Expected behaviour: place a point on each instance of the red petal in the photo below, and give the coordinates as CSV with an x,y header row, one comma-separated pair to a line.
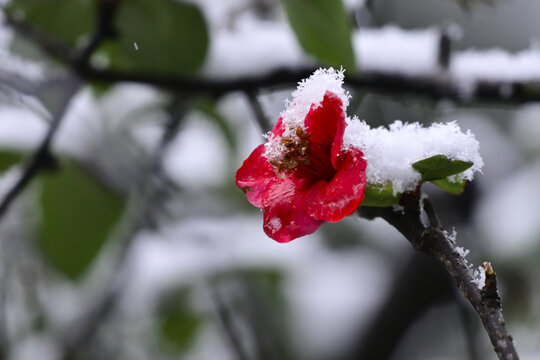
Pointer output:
x,y
255,175
279,128
341,196
326,124
285,219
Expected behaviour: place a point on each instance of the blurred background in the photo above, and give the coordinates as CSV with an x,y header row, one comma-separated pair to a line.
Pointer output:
x,y
127,238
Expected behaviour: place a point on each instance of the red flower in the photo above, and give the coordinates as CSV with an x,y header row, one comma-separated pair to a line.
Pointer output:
x,y
311,179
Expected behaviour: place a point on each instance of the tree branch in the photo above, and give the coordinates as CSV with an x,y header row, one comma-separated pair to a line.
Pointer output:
x,y
264,123
433,241
142,205
41,158
435,87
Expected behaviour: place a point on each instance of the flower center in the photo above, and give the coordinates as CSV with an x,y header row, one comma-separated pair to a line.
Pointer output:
x,y
295,152
311,160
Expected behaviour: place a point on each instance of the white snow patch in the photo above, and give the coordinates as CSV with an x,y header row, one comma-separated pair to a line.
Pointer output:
x,y
479,277
461,251
391,152
252,50
310,92
20,128
255,47
198,156
496,65
394,50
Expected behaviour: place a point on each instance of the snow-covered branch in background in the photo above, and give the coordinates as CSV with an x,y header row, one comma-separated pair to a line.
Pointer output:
x,y
254,50
391,60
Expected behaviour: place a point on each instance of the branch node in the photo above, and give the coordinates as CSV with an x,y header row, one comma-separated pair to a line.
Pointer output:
x,y
490,294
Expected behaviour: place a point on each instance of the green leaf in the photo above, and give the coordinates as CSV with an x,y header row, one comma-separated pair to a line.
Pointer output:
x,y
8,159
440,167
78,215
165,37
66,20
178,324
452,187
323,29
380,195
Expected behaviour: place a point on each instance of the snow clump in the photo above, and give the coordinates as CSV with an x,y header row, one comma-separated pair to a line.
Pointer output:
x,y
390,152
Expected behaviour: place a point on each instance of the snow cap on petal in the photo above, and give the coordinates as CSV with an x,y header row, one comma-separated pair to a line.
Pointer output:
x,y
310,92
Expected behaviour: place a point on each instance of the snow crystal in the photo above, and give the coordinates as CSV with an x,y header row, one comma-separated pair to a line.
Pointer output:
x,y
461,251
391,152
479,277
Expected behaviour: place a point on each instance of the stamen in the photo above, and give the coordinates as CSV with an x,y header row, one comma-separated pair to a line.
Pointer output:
x,y
294,153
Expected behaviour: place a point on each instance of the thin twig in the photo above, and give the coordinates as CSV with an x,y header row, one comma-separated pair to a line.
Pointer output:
x,y
140,208
41,158
103,29
225,316
258,111
435,242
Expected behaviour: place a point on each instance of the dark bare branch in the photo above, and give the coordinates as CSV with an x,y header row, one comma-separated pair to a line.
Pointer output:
x,y
435,242
41,158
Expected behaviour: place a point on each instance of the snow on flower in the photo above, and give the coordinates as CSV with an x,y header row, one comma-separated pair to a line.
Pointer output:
x,y
304,175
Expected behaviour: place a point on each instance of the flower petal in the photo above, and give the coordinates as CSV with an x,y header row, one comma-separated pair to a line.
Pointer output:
x,y
255,175
333,200
326,124
278,129
285,218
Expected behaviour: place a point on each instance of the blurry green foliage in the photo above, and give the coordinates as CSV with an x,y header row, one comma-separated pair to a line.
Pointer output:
x,y
178,323
78,214
323,29
9,158
67,20
269,282
164,37
440,167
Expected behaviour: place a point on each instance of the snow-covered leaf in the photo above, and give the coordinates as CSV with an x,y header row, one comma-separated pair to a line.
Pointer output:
x,y
439,167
